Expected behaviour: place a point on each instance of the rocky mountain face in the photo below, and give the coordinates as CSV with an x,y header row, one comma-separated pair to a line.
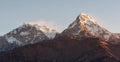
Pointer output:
x,y
87,26
26,34
65,50
3,44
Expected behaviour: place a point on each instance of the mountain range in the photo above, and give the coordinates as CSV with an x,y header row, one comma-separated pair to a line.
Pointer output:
x,y
85,40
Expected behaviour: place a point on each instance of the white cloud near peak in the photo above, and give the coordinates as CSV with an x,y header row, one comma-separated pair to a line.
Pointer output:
x,y
49,24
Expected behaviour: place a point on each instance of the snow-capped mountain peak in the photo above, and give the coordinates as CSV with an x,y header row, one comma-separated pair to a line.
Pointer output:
x,y
49,32
25,34
86,25
84,19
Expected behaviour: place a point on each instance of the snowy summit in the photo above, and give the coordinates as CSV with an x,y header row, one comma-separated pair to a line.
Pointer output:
x,y
86,25
49,32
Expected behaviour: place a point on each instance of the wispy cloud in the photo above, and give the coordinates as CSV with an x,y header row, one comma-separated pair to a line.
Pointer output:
x,y
49,24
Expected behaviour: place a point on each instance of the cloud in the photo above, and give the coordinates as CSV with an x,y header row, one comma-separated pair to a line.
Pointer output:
x,y
49,24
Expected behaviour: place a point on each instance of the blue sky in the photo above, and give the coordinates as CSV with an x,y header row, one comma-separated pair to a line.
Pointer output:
x,y
61,13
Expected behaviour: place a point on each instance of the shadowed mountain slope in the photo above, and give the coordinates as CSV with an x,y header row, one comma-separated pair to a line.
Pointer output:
x,y
64,50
